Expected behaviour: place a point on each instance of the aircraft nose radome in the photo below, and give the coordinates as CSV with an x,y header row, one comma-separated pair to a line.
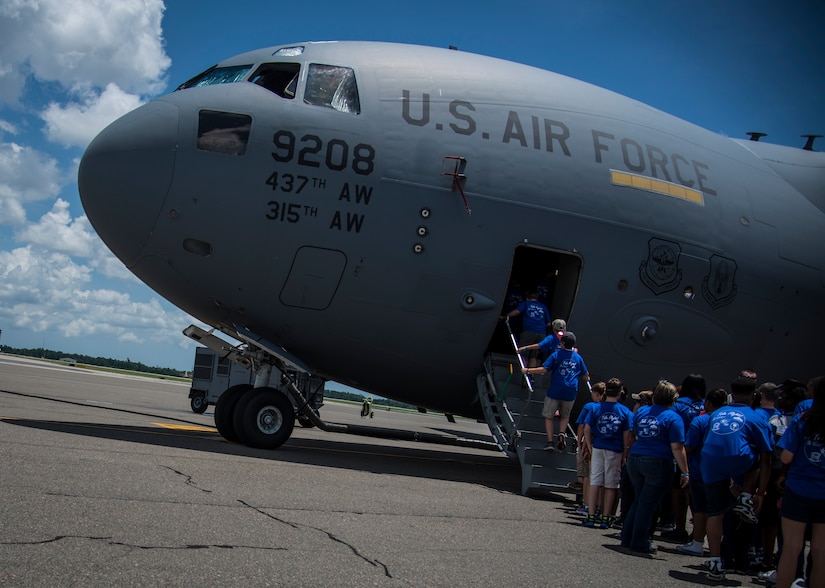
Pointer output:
x,y
125,174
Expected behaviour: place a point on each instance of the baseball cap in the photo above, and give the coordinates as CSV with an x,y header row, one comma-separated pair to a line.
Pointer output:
x,y
559,325
568,339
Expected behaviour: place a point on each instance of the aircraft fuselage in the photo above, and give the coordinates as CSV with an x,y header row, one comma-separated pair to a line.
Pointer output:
x,y
376,242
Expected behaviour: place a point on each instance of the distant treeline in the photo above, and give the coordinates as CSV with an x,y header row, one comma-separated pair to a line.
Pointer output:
x,y
354,397
120,364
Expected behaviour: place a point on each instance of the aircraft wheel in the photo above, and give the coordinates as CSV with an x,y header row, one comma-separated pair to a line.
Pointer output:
x,y
264,418
198,403
225,411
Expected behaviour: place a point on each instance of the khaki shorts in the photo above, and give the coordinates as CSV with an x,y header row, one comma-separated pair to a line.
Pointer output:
x,y
582,465
551,405
606,468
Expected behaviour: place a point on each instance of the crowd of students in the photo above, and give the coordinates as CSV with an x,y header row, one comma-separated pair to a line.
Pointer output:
x,y
748,463
751,460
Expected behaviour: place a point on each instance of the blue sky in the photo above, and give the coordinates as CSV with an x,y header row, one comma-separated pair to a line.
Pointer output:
x,y
69,67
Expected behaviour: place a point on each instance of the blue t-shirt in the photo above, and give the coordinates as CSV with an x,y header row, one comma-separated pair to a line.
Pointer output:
x,y
806,476
566,367
736,435
695,437
686,408
535,316
608,421
655,428
549,344
585,413
803,406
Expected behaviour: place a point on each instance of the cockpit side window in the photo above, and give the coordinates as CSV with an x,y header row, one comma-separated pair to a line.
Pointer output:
x,y
332,86
217,75
279,78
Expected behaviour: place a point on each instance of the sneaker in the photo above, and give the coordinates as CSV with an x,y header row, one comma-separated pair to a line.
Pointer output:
x,y
562,444
590,522
744,509
577,486
715,570
767,577
799,583
582,510
607,522
549,448
665,527
692,548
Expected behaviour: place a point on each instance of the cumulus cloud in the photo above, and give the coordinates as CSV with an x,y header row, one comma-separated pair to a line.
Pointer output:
x,y
57,231
94,41
43,290
26,175
78,123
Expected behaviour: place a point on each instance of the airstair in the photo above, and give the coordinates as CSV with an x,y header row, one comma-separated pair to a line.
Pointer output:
x,y
512,407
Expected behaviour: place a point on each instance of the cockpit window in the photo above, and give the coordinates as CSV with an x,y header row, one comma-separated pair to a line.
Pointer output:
x,y
217,75
279,78
223,132
332,86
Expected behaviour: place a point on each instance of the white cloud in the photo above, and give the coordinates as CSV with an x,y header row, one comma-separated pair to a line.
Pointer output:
x,y
58,232
93,41
7,127
25,175
78,123
43,290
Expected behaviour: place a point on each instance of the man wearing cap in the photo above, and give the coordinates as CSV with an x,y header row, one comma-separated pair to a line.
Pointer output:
x,y
567,369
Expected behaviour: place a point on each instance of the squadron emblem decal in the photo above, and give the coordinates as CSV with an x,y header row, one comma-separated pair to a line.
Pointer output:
x,y
719,287
660,271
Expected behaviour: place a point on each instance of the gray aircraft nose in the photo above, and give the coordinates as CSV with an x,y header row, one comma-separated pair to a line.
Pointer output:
x,y
125,174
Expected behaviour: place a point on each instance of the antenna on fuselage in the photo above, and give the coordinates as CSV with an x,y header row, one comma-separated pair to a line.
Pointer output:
x,y
756,135
809,144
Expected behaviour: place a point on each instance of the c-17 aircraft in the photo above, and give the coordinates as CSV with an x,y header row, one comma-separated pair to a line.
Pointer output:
x,y
360,211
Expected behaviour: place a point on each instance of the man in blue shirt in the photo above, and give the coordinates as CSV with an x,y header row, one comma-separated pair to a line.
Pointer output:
x,y
535,321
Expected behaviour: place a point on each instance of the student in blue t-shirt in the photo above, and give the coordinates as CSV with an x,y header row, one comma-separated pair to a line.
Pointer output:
x,y
738,442
659,434
694,437
809,396
803,454
568,369
534,324
583,454
551,342
607,433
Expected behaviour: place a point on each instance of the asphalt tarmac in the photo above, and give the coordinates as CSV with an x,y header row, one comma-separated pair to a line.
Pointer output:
x,y
113,481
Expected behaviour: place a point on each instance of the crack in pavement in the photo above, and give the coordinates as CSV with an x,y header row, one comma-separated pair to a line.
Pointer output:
x,y
188,480
109,541
373,562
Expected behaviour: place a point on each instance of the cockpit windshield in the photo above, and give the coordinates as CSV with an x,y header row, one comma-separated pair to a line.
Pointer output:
x,y
217,75
279,78
332,86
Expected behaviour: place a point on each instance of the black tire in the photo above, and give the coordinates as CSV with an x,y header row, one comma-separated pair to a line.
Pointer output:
x,y
225,411
264,418
198,403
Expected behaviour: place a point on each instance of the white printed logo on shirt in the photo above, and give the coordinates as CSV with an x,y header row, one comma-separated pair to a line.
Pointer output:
x,y
727,421
648,427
